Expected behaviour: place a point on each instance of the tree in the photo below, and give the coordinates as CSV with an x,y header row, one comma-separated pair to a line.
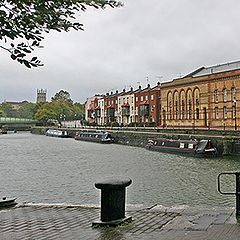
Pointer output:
x,y
27,110
8,110
62,96
28,20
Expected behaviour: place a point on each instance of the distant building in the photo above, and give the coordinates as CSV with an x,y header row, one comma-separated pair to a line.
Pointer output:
x,y
41,95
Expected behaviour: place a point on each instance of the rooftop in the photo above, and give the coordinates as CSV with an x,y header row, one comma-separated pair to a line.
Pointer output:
x,y
215,69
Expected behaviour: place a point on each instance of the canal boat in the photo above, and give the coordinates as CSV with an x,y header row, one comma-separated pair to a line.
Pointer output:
x,y
100,137
191,147
57,133
7,202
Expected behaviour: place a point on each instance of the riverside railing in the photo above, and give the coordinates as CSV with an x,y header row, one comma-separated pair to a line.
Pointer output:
x,y
237,189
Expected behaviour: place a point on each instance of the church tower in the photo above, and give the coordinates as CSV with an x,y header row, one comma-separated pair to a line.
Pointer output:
x,y
41,95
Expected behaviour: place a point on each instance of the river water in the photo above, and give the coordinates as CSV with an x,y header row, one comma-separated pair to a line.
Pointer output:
x,y
37,168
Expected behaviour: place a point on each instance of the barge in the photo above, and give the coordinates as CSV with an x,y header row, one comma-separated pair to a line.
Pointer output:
x,y
191,147
57,133
99,137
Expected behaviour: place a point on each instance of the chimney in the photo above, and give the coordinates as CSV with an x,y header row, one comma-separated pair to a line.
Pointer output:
x,y
148,85
124,90
107,94
139,87
158,83
131,89
111,93
116,91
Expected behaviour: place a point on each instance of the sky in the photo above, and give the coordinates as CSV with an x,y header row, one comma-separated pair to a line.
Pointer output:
x,y
145,41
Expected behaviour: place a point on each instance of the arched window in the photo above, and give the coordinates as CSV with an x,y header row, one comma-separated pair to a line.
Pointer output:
x,y
189,104
176,105
196,102
170,105
183,102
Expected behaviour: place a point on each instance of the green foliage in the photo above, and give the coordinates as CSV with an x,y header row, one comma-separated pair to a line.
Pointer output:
x,y
28,20
8,110
62,96
2,113
25,110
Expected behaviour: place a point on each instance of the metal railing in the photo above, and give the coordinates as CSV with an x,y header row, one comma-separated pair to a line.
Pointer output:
x,y
237,189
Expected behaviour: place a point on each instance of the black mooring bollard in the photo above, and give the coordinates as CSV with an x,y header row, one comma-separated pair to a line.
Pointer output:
x,y
113,193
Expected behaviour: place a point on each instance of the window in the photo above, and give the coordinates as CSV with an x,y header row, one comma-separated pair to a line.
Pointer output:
x,y
152,108
216,96
146,98
224,94
234,91
234,112
197,114
182,105
132,99
141,98
136,110
176,109
225,112
183,109
136,99
152,97
190,108
170,109
216,113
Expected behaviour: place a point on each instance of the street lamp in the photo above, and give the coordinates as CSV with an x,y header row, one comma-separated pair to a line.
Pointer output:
x,y
75,115
235,113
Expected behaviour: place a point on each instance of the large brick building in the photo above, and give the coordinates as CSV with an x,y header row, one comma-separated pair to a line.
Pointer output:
x,y
208,97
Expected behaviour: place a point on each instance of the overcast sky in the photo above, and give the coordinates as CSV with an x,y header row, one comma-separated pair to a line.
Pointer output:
x,y
122,47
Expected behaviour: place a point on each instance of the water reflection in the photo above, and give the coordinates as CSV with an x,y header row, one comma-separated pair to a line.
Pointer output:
x,y
43,169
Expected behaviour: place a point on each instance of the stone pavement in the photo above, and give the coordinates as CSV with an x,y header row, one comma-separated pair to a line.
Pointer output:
x,y
32,221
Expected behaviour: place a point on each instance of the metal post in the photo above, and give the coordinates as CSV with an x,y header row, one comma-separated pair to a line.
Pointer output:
x,y
113,201
237,194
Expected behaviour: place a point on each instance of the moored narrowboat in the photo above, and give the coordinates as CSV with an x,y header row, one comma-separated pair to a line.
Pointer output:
x,y
100,137
192,147
57,133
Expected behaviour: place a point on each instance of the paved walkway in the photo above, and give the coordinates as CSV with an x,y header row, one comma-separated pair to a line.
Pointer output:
x,y
74,222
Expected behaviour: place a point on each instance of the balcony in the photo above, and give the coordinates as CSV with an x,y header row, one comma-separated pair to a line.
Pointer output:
x,y
144,110
125,110
111,112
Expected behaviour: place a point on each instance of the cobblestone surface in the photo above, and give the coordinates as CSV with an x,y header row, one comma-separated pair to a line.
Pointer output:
x,y
59,222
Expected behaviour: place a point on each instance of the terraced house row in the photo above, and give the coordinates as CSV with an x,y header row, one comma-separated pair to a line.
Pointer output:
x,y
205,98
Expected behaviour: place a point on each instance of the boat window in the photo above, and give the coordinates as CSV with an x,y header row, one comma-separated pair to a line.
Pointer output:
x,y
181,145
162,143
155,143
190,145
96,136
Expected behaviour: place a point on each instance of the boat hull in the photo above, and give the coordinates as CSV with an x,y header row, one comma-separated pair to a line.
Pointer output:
x,y
7,202
189,147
